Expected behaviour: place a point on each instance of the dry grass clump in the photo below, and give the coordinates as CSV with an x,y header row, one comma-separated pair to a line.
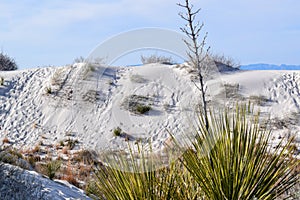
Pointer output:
x,y
5,140
259,100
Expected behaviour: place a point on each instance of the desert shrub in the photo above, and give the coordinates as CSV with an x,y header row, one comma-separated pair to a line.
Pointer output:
x,y
80,59
1,81
156,59
7,63
5,140
232,159
48,90
14,157
91,96
232,91
226,60
137,104
86,156
87,69
259,99
51,168
71,143
142,109
117,131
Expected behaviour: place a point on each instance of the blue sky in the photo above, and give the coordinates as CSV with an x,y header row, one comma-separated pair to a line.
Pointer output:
x,y
41,33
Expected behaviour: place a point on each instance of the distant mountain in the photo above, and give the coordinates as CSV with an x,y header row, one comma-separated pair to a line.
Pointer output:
x,y
262,66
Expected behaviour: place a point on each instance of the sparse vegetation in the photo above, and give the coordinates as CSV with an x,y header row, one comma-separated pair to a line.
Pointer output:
x,y
232,91
142,109
230,160
259,100
1,81
51,168
226,60
117,131
79,59
138,78
7,63
137,104
156,59
91,96
87,69
48,90
71,143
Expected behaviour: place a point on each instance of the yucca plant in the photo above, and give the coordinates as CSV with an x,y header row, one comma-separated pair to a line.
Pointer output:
x,y
232,158
138,178
51,168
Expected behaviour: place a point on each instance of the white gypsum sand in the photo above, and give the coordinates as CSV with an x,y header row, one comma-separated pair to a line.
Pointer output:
x,y
88,103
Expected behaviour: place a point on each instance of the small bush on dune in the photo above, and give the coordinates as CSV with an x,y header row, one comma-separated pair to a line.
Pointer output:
x,y
142,109
226,60
117,131
1,81
7,63
51,168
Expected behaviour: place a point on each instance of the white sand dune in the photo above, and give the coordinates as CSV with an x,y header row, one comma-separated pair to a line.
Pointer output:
x,y
16,183
87,103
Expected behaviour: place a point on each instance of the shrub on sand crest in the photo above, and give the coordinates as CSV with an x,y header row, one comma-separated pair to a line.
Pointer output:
x,y
7,63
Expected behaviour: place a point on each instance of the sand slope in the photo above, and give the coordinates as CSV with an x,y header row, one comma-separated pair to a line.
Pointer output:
x,y
87,103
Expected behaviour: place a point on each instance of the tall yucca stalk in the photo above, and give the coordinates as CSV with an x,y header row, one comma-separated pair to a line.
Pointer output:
x,y
232,159
131,178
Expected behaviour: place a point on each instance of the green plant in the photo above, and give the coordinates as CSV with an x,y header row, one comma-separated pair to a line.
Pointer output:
x,y
61,143
142,109
48,90
232,159
135,177
51,168
117,131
